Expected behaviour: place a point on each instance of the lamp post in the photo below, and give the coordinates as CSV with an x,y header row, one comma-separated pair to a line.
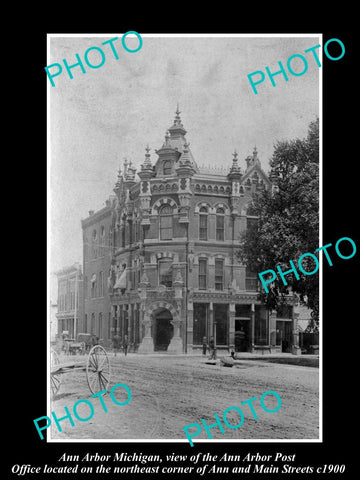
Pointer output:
x,y
214,326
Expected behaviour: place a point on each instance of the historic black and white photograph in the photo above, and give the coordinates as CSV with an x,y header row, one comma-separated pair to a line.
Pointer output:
x,y
184,226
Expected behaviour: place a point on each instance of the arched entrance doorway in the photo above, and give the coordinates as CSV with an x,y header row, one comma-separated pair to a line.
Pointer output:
x,y
163,329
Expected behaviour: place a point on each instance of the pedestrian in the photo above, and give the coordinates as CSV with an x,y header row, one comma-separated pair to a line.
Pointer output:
x,y
116,343
212,349
125,344
204,345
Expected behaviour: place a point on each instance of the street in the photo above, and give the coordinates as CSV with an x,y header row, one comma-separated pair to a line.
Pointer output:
x,y
171,392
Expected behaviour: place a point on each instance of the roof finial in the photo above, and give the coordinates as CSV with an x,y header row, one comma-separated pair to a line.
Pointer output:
x,y
177,120
147,161
235,168
119,178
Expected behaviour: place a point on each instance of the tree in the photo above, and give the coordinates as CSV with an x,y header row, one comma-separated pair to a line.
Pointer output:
x,y
288,221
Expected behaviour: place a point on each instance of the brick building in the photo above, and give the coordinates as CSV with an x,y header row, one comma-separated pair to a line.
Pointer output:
x,y
70,300
160,262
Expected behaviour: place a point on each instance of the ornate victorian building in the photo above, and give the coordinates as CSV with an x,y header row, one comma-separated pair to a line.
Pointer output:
x,y
160,263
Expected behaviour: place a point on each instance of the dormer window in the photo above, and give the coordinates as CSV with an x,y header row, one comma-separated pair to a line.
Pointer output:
x,y
167,167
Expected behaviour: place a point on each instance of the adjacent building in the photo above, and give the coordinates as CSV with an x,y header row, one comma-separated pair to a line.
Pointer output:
x,y
160,263
70,301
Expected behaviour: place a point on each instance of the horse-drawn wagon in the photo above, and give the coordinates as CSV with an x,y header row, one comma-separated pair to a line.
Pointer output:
x,y
96,366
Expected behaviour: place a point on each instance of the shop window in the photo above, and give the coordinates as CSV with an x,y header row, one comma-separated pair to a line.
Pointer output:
x,y
221,323
200,322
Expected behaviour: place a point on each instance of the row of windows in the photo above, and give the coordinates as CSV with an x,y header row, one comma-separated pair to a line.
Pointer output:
x,y
166,273
98,243
97,283
165,277
166,223
96,325
118,325
131,231
220,224
66,301
202,327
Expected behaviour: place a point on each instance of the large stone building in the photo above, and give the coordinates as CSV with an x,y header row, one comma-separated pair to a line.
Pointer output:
x,y
160,263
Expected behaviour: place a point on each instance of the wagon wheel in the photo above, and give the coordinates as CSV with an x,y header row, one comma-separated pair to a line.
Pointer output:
x,y
55,379
98,369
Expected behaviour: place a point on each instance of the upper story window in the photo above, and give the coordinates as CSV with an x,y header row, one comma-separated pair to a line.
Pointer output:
x,y
165,272
166,227
202,273
94,244
219,274
110,240
167,167
93,291
85,287
203,223
101,284
102,241
220,224
123,232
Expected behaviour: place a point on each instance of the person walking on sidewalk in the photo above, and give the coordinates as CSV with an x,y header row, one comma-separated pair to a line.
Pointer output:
x,y
125,345
204,345
212,349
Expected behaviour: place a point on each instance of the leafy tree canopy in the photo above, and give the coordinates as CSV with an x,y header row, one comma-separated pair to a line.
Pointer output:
x,y
288,221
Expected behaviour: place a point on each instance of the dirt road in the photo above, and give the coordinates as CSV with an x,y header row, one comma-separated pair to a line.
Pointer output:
x,y
170,392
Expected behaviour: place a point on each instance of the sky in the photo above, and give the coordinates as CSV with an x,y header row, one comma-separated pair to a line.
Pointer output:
x,y
97,119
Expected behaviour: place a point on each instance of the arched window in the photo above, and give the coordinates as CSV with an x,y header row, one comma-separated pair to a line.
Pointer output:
x,y
167,169
203,223
220,224
166,227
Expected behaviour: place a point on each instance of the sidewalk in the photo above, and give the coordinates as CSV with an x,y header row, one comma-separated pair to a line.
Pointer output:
x,y
288,358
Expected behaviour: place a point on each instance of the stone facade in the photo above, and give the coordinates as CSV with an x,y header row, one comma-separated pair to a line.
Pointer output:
x,y
167,241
